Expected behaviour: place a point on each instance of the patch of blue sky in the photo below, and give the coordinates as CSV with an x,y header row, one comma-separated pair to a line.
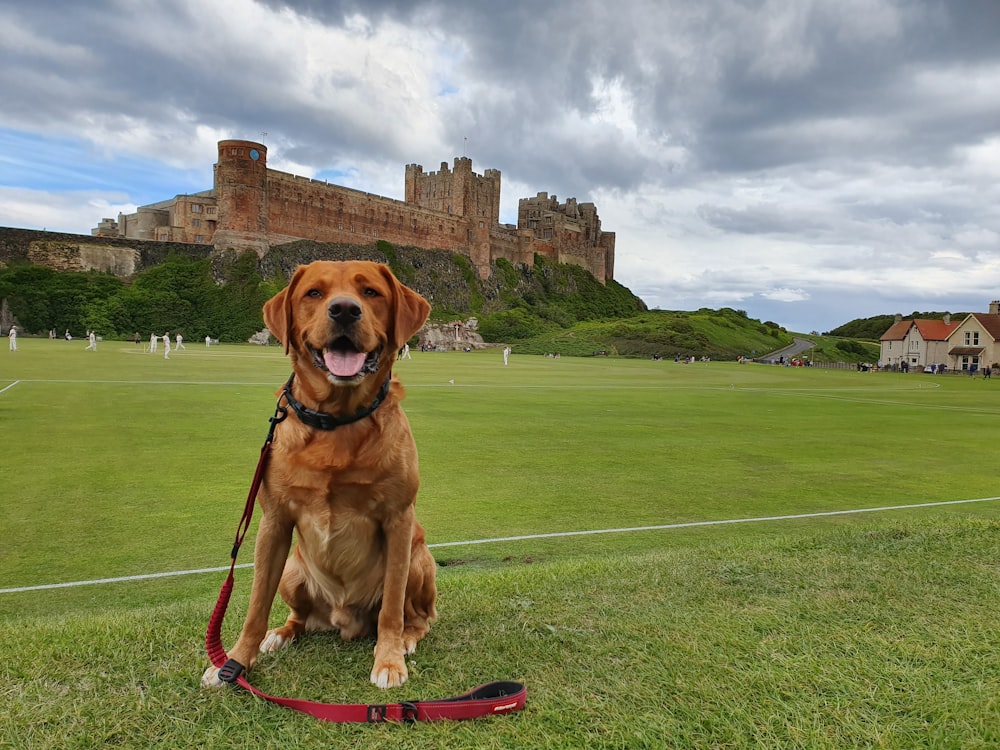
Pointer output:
x,y
338,176
53,164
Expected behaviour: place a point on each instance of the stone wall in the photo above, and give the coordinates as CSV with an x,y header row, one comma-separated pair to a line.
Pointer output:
x,y
75,252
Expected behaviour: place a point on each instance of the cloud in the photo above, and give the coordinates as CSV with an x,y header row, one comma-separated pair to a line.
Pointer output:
x,y
807,161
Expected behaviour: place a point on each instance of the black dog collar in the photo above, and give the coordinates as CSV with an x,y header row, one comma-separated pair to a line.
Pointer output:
x,y
323,421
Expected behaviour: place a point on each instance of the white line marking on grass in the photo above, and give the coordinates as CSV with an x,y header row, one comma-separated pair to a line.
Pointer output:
x,y
4,390
551,535
120,579
691,524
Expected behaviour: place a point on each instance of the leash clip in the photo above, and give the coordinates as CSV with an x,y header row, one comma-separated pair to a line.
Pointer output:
x,y
280,413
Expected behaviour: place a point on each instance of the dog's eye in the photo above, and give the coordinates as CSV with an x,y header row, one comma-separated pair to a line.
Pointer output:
x,y
369,292
314,293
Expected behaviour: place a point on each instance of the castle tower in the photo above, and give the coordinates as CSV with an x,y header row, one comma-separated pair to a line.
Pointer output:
x,y
241,195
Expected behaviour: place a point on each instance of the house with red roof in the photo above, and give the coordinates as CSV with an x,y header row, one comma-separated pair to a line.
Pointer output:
x,y
915,344
968,346
975,342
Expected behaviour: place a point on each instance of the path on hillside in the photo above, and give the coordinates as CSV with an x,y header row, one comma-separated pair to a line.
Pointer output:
x,y
795,348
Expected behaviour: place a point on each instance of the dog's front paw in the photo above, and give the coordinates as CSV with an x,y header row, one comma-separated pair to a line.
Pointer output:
x,y
211,679
272,642
390,666
389,673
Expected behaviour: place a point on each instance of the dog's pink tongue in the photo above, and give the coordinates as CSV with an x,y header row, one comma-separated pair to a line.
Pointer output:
x,y
343,364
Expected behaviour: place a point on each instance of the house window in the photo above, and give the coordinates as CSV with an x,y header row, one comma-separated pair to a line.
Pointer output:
x,y
196,208
199,238
972,338
210,210
195,223
970,362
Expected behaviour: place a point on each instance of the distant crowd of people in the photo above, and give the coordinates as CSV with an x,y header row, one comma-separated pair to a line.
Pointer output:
x,y
92,340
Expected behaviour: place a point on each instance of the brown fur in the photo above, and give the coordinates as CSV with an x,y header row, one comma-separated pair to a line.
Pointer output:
x,y
360,564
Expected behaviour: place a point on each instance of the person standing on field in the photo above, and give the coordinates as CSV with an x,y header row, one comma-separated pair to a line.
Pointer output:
x,y
12,338
166,345
152,343
92,339
180,343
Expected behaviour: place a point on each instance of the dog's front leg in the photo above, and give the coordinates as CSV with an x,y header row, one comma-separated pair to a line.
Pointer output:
x,y
390,666
274,539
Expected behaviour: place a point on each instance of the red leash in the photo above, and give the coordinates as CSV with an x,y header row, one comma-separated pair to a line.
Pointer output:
x,y
486,700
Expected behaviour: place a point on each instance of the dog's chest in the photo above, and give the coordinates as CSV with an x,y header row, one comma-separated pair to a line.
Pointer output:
x,y
343,538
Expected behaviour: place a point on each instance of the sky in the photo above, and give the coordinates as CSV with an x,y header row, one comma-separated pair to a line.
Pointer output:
x,y
807,161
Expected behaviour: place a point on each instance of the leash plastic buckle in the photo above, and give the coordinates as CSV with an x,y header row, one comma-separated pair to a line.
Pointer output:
x,y
230,671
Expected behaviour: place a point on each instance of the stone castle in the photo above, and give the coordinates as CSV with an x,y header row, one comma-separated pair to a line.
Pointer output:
x,y
253,207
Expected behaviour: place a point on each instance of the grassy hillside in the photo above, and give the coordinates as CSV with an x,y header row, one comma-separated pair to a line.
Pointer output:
x,y
717,334
873,327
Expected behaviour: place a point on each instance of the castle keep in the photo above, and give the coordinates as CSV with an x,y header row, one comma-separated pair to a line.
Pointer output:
x,y
453,209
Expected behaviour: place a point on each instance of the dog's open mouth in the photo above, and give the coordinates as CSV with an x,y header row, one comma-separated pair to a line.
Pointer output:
x,y
343,360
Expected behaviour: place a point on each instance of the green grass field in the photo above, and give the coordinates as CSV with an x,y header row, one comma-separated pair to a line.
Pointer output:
x,y
823,626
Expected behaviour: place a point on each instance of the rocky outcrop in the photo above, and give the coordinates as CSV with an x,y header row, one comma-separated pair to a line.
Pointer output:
x,y
79,252
454,336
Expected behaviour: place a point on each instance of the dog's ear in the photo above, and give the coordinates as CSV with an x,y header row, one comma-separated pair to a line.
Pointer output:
x,y
411,310
278,312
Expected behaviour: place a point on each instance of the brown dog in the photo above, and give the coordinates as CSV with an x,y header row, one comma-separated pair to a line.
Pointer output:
x,y
342,474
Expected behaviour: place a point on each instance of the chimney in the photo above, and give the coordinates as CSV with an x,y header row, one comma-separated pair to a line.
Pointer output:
x,y
995,307
947,319
899,317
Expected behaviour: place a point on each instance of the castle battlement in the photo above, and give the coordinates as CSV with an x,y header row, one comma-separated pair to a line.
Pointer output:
x,y
452,209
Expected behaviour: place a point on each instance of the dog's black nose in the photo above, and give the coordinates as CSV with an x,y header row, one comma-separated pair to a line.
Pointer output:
x,y
344,311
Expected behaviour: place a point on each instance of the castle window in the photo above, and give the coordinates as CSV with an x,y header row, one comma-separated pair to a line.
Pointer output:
x,y
196,208
210,210
374,233
200,238
195,223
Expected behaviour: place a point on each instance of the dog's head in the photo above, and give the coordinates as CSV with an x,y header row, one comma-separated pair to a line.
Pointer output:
x,y
344,320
